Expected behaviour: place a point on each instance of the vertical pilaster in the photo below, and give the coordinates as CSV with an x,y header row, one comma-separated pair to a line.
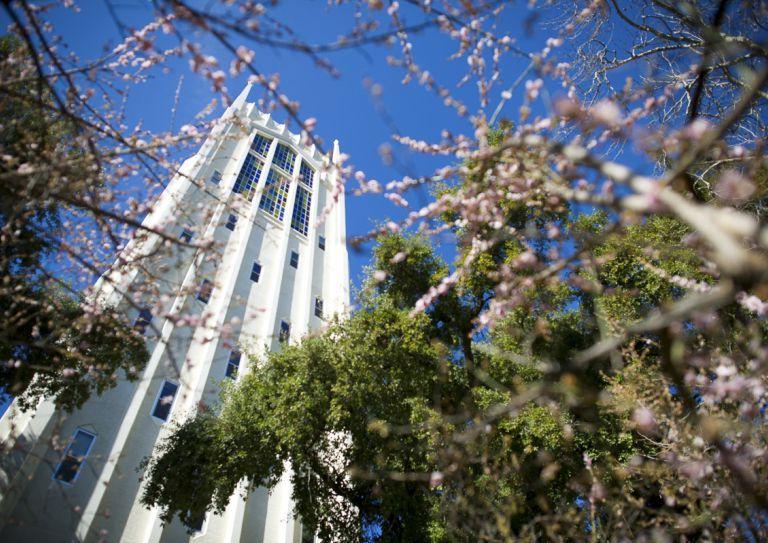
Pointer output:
x,y
339,260
305,298
282,255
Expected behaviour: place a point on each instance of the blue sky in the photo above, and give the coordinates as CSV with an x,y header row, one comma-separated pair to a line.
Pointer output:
x,y
342,106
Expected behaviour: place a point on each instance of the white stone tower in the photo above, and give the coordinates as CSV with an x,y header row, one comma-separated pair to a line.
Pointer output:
x,y
278,274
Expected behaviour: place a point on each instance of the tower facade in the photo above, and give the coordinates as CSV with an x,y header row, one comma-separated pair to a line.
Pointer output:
x,y
255,269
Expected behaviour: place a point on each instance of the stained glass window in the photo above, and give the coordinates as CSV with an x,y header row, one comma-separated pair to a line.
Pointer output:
x,y
248,177
300,218
260,145
275,195
284,157
306,174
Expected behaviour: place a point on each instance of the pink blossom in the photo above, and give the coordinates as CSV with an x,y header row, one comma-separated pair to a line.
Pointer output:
x,y
396,199
696,129
696,470
644,419
606,112
527,259
733,187
393,227
309,124
553,231
568,107
532,88
436,479
189,130
752,303
399,257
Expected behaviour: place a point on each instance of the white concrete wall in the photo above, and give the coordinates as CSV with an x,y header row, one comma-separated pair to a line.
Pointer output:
x,y
103,503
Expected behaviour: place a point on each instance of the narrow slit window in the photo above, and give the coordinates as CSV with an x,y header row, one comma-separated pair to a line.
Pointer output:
x,y
301,205
260,145
275,195
216,177
318,307
255,272
204,292
306,174
231,222
248,177
285,332
294,259
284,158
143,321
164,401
321,242
186,235
233,364
74,457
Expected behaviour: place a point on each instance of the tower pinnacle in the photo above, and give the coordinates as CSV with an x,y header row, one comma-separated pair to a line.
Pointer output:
x,y
242,97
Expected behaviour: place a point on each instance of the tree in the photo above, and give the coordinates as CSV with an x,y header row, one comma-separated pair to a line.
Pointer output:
x,y
54,345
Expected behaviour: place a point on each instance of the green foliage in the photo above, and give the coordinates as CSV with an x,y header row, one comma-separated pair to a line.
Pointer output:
x,y
325,406
189,454
430,431
637,288
407,280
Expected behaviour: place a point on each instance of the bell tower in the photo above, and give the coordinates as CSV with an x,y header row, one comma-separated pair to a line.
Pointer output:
x,y
254,268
